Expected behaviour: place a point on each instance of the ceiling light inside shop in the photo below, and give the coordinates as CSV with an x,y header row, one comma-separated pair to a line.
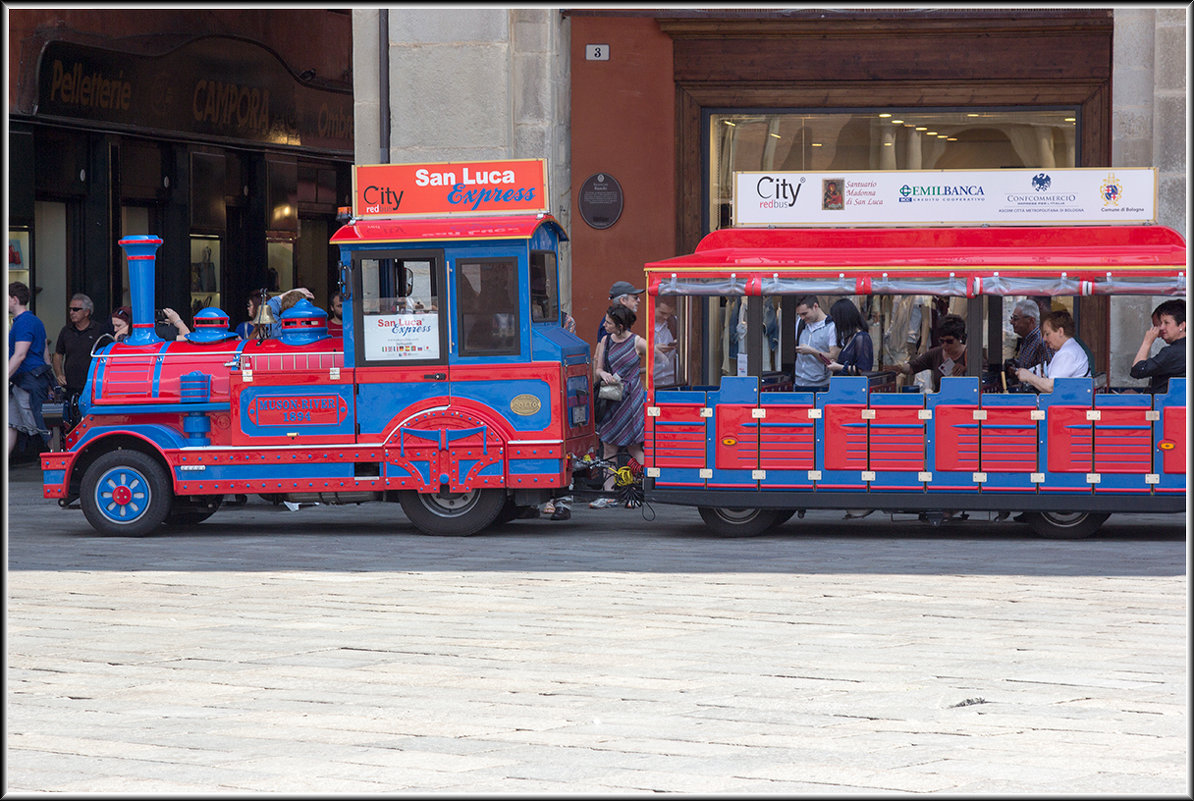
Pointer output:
x,y
1070,119
952,139
816,144
777,136
897,122
885,115
731,124
921,128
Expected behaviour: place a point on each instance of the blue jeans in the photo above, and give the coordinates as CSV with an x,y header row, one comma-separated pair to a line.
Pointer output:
x,y
33,386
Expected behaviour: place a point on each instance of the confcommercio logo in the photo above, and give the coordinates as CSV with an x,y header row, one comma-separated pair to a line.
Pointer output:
x,y
909,193
1039,196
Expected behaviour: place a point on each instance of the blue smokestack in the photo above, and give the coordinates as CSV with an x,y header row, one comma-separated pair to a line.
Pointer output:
x,y
140,250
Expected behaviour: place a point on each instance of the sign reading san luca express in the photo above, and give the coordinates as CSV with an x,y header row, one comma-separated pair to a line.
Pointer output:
x,y
459,187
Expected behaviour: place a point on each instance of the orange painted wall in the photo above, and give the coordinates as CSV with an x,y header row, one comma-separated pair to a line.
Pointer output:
x,y
623,124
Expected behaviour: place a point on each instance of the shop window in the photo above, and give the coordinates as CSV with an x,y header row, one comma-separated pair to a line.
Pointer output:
x,y
893,139
205,272
487,302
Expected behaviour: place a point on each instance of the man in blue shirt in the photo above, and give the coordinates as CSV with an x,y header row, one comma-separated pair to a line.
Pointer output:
x,y
29,375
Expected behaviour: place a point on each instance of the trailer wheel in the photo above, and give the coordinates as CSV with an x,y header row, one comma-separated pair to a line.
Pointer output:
x,y
453,514
125,494
728,522
783,517
1064,525
189,513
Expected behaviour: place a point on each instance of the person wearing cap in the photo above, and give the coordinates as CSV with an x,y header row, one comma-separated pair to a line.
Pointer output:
x,y
622,292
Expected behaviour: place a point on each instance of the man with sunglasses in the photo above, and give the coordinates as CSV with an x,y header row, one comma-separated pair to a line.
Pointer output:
x,y
72,354
947,358
1031,350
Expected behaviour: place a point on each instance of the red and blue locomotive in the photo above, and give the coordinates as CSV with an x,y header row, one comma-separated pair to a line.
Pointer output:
x,y
454,389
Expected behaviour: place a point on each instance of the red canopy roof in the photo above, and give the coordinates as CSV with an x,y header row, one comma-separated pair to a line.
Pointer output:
x,y
1144,250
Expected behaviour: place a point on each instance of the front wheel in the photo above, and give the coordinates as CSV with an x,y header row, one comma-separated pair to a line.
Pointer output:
x,y
727,522
1064,525
126,494
453,514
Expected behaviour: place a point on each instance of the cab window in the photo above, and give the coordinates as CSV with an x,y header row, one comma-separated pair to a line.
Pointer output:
x,y
487,307
400,302
545,292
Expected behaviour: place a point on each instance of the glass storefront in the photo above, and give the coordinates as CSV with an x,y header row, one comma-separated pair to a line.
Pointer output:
x,y
882,139
887,139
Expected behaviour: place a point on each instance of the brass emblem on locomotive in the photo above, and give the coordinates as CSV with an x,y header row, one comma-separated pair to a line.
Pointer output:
x,y
525,405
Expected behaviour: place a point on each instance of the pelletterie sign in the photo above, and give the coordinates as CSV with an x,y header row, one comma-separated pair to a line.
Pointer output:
x,y
456,187
945,197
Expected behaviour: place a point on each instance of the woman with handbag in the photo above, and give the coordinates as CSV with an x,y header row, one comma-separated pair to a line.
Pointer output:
x,y
620,361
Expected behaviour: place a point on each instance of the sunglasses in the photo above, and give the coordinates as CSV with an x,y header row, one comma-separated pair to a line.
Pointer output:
x,y
75,308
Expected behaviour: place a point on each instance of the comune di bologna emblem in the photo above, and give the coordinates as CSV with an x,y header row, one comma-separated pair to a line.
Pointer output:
x,y
1111,190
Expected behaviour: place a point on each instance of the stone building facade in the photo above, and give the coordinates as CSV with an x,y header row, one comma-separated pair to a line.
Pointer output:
x,y
510,83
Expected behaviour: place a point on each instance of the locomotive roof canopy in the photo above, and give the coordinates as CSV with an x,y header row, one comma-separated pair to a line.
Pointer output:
x,y
445,229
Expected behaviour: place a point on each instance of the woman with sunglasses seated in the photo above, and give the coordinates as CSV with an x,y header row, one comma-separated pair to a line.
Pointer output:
x,y
947,358
1069,357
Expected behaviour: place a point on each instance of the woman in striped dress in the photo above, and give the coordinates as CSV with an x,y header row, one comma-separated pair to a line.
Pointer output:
x,y
621,356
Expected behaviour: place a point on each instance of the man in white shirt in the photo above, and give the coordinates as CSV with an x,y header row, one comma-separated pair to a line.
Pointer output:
x,y
1069,357
816,346
665,345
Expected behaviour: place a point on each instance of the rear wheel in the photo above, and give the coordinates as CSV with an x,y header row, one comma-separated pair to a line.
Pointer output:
x,y
453,514
728,522
126,494
1064,525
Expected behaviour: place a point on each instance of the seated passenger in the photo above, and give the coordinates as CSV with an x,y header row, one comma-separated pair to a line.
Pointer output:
x,y
1069,357
948,358
1169,323
856,355
1030,349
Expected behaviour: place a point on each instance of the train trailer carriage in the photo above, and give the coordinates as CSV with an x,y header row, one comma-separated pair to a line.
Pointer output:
x,y
750,455
454,390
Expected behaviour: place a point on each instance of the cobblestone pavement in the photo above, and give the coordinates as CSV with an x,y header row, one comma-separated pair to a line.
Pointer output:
x,y
333,650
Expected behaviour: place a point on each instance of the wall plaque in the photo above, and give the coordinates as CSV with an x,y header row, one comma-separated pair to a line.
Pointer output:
x,y
600,200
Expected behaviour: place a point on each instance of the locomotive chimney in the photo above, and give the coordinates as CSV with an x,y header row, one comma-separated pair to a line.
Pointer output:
x,y
140,250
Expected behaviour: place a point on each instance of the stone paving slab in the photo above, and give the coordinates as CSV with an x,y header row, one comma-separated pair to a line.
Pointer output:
x,y
332,650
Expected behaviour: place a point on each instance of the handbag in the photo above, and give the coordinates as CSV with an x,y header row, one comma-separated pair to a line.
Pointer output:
x,y
605,396
610,392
